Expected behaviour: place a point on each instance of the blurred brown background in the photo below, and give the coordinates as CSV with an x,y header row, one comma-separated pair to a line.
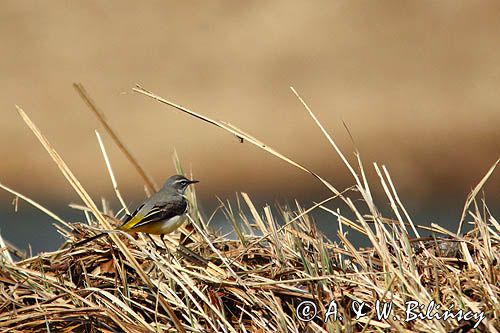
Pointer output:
x,y
416,82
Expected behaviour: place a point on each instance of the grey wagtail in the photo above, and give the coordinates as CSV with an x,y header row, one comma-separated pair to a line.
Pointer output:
x,y
160,214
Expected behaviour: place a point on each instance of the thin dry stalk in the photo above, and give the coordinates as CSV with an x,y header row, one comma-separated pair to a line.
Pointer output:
x,y
256,282
150,183
90,204
111,174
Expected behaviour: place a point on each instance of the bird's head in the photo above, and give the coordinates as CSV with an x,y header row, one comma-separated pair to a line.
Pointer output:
x,y
178,183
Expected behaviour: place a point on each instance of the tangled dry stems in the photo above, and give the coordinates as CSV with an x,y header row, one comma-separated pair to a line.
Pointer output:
x,y
93,287
207,282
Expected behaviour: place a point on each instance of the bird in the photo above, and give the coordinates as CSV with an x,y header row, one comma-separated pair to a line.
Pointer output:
x,y
160,214
163,212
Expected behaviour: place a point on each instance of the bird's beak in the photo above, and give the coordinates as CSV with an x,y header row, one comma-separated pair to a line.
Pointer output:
x,y
193,181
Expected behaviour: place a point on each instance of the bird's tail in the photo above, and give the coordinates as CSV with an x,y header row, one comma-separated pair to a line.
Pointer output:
x,y
102,231
90,239
93,238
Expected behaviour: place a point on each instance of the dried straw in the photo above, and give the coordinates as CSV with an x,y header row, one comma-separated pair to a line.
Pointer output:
x,y
256,282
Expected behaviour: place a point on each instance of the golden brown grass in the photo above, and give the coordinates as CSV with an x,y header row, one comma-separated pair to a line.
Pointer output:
x,y
255,281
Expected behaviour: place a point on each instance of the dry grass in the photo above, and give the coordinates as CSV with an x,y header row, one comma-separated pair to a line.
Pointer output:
x,y
255,281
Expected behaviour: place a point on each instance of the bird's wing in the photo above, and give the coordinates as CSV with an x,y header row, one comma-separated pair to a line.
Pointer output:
x,y
128,217
160,211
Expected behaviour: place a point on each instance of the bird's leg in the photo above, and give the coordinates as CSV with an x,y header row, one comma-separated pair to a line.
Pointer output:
x,y
157,247
162,237
169,255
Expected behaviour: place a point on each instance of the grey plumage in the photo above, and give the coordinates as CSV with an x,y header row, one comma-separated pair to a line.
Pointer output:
x,y
160,214
164,211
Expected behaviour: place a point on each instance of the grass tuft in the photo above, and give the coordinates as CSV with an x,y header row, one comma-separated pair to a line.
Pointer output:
x,y
255,280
